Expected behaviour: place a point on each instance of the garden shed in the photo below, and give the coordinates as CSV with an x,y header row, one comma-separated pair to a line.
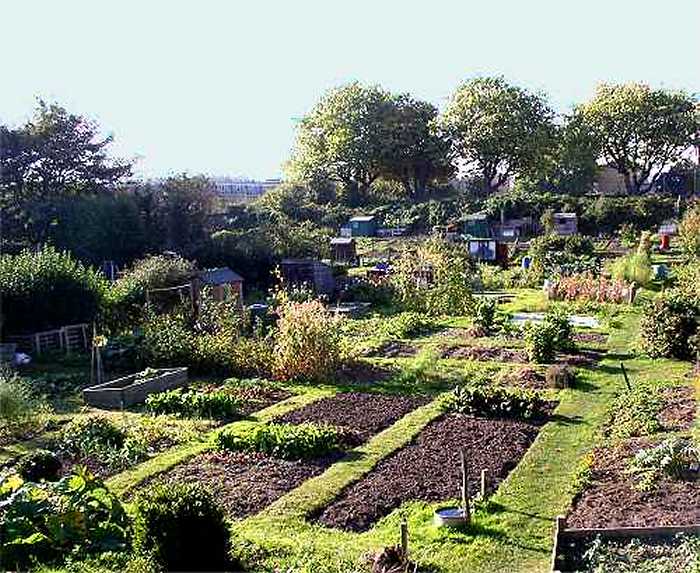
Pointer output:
x,y
484,249
565,224
477,225
514,229
223,282
363,226
314,274
343,250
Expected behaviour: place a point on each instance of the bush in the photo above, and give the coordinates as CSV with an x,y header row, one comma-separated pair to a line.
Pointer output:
x,y
675,458
167,341
21,411
286,441
557,320
484,316
553,255
404,325
182,527
668,324
364,290
689,232
88,433
39,465
539,342
498,402
635,412
47,289
45,522
307,342
217,405
560,376
633,268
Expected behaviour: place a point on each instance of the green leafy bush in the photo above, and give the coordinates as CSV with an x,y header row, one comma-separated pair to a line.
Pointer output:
x,y
544,339
47,289
689,232
668,324
88,432
182,526
49,521
635,412
22,412
39,465
286,441
553,255
218,405
484,316
404,325
675,458
498,402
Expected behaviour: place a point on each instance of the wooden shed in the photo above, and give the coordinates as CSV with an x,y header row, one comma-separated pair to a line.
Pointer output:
x,y
223,282
343,250
314,274
363,226
477,225
565,224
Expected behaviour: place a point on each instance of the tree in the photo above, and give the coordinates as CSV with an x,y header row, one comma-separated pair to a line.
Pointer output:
x,y
344,139
416,153
640,131
56,154
497,130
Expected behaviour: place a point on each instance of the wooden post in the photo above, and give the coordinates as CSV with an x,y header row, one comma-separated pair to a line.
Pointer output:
x,y
465,487
624,374
483,484
404,539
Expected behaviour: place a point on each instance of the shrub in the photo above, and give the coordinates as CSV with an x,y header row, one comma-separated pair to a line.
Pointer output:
x,y
87,433
167,341
286,441
484,316
403,325
553,255
539,341
39,465
364,290
635,412
668,324
689,232
499,402
635,267
435,279
675,458
47,289
45,522
557,320
688,279
21,411
307,342
218,405
181,525
560,376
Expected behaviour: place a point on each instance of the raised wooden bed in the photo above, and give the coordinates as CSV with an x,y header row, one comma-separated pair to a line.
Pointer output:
x,y
564,537
130,390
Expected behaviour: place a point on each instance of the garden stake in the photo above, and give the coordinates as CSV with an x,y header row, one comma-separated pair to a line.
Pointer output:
x,y
404,539
465,488
624,373
483,484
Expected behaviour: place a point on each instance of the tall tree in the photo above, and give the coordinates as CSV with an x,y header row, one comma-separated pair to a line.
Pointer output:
x,y
54,155
344,138
416,153
497,130
640,131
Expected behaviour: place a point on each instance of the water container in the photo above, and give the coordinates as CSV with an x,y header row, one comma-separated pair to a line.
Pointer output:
x,y
526,262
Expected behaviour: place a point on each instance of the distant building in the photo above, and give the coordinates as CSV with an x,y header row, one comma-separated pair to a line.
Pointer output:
x,y
565,224
343,250
242,190
223,282
362,226
477,225
313,274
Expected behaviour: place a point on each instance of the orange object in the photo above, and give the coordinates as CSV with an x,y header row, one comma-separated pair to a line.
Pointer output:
x,y
665,242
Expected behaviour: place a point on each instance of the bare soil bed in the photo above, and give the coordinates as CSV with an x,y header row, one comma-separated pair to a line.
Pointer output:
x,y
590,338
486,353
679,409
395,349
255,397
524,377
428,468
365,372
611,500
245,483
362,414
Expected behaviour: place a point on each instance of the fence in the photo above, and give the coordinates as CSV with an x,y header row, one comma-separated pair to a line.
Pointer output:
x,y
68,339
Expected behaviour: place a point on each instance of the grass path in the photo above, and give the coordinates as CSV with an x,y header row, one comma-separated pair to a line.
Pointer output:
x,y
513,532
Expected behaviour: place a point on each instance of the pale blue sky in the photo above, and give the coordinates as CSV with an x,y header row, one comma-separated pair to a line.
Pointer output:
x,y
214,86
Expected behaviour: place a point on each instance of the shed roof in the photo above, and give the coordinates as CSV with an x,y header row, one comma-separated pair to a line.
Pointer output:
x,y
565,215
220,276
476,217
342,241
363,218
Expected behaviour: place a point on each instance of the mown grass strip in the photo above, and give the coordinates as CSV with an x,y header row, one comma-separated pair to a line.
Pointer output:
x,y
124,482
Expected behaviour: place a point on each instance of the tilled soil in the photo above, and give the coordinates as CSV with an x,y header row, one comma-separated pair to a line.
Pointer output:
x,y
362,414
679,409
611,500
494,353
364,372
590,338
428,469
245,483
395,349
253,398
525,377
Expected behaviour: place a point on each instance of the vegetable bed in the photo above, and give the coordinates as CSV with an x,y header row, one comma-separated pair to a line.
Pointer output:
x,y
428,468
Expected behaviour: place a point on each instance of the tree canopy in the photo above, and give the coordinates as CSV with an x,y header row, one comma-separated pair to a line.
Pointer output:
x,y
497,130
640,131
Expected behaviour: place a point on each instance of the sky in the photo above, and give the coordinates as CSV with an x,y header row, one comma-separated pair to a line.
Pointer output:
x,y
216,87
